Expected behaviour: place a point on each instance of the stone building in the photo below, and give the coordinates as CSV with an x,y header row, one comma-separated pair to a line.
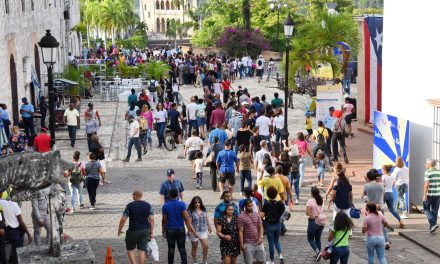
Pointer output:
x,y
22,25
157,13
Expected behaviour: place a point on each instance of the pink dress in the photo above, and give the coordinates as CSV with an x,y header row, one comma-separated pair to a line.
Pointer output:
x,y
149,117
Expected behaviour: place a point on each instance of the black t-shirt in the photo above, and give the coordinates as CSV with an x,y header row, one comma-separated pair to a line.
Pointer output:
x,y
243,137
286,167
255,140
273,210
250,123
173,115
138,213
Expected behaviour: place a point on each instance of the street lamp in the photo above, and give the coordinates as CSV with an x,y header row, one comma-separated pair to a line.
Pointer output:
x,y
49,46
278,5
289,25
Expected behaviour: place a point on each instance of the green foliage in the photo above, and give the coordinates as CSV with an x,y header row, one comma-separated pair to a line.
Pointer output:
x,y
364,11
212,29
157,69
132,72
135,41
75,74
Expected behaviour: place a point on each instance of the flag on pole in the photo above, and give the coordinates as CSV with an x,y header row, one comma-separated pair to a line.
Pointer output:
x,y
373,36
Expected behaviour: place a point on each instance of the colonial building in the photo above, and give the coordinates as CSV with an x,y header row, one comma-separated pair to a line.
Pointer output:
x,y
22,24
157,13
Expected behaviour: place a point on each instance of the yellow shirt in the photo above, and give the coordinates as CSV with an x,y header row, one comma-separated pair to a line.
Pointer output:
x,y
267,182
320,130
309,123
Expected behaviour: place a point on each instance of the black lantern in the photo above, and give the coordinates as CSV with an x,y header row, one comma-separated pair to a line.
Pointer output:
x,y
49,46
289,25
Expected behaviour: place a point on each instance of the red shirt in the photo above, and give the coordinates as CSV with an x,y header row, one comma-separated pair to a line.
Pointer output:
x,y
42,143
258,196
226,85
217,117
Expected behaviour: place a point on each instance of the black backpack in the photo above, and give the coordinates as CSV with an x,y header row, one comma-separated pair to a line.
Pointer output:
x,y
152,87
295,164
260,62
321,138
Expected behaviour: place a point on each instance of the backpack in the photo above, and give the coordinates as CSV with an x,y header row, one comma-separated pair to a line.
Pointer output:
x,y
152,87
321,138
321,219
295,164
75,177
260,62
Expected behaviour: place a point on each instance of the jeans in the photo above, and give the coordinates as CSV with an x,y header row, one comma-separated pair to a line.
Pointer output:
x,y
314,232
28,126
176,236
375,243
401,191
134,141
269,143
192,124
147,138
43,117
294,179
161,132
76,192
72,134
430,206
389,200
16,237
176,97
346,86
278,135
273,238
340,253
92,186
154,99
325,150
245,175
338,137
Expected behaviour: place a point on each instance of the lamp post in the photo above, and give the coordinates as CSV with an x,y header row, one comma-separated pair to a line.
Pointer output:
x,y
289,25
49,46
278,5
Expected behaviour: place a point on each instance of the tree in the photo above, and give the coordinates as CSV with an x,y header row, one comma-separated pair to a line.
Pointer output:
x,y
157,69
247,14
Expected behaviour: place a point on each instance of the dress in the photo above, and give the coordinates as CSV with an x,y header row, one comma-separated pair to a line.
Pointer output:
x,y
229,248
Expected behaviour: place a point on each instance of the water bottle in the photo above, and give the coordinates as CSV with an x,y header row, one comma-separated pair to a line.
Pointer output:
x,y
122,236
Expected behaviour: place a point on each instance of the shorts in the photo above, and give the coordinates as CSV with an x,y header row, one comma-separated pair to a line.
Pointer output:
x,y
137,239
254,253
230,176
192,154
103,166
309,131
201,121
177,130
348,118
202,235
260,72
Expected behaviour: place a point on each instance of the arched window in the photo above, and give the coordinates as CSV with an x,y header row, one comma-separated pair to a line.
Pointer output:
x,y
163,30
7,6
157,4
162,5
178,5
167,5
172,6
157,25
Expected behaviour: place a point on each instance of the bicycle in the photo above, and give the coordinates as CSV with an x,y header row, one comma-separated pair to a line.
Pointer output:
x,y
170,139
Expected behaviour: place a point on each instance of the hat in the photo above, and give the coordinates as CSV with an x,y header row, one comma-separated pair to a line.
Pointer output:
x,y
170,172
43,129
24,99
261,56
331,108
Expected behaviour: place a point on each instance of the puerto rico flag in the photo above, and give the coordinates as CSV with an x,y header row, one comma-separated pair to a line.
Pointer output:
x,y
373,31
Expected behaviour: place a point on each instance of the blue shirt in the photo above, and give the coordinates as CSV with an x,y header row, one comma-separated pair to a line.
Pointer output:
x,y
221,134
138,213
257,107
28,107
241,202
4,114
220,210
174,210
227,160
166,187
328,121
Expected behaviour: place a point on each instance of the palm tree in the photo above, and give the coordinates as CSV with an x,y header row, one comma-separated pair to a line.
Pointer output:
x,y
157,69
111,19
90,10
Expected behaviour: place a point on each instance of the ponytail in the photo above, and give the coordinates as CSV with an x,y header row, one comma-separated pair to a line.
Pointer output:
x,y
372,208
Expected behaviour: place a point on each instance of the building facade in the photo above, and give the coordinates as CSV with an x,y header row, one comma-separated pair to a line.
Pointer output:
x,y
158,13
22,24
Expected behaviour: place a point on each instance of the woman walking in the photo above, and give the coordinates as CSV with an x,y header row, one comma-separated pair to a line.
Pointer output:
x,y
147,114
342,195
402,180
245,166
389,180
161,120
91,170
76,182
271,213
97,149
340,234
314,231
200,223
201,117
373,224
303,149
227,231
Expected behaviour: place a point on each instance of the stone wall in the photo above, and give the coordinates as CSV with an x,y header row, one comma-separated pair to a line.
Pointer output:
x,y
21,30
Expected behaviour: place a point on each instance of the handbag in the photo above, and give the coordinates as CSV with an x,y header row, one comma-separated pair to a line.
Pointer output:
x,y
87,173
326,254
153,249
286,214
321,219
355,213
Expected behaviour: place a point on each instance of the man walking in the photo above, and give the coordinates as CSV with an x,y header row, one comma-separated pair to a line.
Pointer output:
x,y
191,115
431,198
265,129
227,162
221,207
42,141
140,227
152,88
27,112
133,139
170,183
71,117
320,136
328,120
338,136
174,215
250,229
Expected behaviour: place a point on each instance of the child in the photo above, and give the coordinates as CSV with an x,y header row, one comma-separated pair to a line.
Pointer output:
x,y
309,126
257,195
198,168
320,165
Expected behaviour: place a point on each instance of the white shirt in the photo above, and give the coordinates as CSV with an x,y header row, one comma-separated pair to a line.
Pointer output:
x,y
217,88
71,117
402,175
244,61
193,143
199,165
249,62
10,210
134,129
162,115
348,108
259,156
175,87
263,123
388,182
191,110
278,122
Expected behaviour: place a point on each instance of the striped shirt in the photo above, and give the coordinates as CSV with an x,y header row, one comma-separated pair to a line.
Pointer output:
x,y
199,221
432,176
249,223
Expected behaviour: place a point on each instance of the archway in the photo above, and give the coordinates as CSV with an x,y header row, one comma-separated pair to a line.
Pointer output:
x,y
157,4
163,30
157,25
162,5
14,93
167,5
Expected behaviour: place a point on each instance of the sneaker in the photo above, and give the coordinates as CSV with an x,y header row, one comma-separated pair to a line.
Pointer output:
x,y
296,201
138,159
318,258
125,160
92,208
281,260
101,183
145,151
81,206
433,229
387,246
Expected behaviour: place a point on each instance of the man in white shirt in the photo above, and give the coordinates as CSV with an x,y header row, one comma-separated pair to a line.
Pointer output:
x,y
15,227
244,60
264,125
193,145
278,123
260,68
259,156
191,115
71,117
133,139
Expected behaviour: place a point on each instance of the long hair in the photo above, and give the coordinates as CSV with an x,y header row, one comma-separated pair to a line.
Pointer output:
x,y
399,162
343,178
342,222
226,209
192,204
387,168
372,208
317,196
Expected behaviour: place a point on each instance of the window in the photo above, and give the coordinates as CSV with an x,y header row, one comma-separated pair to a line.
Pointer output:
x,y
163,30
167,5
162,5
157,4
32,5
23,5
172,6
157,25
7,6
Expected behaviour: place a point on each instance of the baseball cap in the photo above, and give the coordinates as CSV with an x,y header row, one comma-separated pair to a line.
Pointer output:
x,y
43,129
170,172
331,108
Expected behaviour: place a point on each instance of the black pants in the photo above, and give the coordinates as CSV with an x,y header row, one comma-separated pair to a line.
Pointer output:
x,y
92,186
89,141
176,236
225,96
16,237
338,137
43,118
6,124
329,142
72,134
2,251
28,123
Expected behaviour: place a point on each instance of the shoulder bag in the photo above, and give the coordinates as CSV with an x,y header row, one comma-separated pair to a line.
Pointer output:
x,y
326,254
87,173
